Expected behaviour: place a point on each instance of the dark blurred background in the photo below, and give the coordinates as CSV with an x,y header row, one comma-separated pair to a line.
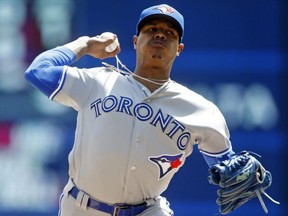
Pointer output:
x,y
235,55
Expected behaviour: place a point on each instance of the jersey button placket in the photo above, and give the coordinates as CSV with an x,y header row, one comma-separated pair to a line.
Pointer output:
x,y
138,140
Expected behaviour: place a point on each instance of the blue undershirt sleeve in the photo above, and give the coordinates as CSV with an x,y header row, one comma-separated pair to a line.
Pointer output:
x,y
212,160
46,71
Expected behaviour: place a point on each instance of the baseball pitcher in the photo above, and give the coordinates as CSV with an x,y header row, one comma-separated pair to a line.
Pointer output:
x,y
135,129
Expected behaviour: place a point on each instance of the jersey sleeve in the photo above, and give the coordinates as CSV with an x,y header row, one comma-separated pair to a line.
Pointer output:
x,y
46,72
214,137
79,84
52,74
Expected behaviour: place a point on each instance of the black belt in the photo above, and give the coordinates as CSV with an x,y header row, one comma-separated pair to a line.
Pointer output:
x,y
114,210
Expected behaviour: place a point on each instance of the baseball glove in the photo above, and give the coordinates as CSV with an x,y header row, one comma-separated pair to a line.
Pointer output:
x,y
241,178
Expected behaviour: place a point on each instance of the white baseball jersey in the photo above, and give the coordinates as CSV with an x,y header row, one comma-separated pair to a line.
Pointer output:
x,y
130,142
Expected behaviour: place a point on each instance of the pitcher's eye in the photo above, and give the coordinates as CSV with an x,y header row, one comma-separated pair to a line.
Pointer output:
x,y
169,32
152,29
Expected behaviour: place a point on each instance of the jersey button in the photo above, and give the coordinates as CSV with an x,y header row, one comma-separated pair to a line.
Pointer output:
x,y
133,168
138,139
148,100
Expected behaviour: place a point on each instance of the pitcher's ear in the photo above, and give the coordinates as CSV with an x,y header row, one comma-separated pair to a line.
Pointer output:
x,y
135,38
180,49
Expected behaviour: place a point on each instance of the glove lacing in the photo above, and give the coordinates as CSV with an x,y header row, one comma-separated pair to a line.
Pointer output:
x,y
258,193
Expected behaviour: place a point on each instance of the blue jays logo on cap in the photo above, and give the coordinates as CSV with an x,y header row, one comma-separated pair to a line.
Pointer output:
x,y
162,11
166,163
165,9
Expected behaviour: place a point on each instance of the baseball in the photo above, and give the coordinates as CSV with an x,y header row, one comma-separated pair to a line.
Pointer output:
x,y
113,46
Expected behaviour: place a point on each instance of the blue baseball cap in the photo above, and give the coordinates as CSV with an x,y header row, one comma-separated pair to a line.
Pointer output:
x,y
162,11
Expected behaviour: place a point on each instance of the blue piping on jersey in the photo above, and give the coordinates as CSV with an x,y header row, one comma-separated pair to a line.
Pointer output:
x,y
46,73
61,83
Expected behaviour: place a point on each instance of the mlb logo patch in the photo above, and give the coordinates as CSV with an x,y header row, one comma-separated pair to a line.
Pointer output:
x,y
166,163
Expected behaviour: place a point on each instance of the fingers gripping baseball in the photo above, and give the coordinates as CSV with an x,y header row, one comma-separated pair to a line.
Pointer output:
x,y
111,47
104,46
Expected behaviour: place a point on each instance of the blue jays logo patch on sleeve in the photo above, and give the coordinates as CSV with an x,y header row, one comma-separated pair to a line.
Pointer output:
x,y
166,163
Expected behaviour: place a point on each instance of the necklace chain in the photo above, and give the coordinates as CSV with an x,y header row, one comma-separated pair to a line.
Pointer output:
x,y
111,67
162,82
